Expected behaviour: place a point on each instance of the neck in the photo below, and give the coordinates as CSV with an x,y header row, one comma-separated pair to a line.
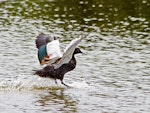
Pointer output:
x,y
73,57
73,60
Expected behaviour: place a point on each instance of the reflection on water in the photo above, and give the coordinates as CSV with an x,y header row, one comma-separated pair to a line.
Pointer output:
x,y
56,99
112,76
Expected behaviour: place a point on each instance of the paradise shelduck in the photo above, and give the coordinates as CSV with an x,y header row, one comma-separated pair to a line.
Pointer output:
x,y
56,63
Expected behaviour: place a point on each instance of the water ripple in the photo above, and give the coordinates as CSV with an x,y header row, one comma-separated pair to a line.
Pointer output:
x,y
112,76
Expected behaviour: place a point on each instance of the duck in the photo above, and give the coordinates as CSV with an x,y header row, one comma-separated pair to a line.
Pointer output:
x,y
56,64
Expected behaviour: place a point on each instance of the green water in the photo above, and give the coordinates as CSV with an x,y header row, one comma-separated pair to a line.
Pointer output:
x,y
112,76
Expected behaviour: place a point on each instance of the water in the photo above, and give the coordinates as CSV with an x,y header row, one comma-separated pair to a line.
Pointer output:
x,y
112,76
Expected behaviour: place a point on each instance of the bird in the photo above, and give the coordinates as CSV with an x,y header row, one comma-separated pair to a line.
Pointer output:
x,y
55,63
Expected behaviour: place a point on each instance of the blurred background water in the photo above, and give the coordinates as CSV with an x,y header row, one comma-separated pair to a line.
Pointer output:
x,y
112,76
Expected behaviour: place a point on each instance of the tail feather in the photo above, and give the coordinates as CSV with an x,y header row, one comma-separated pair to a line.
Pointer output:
x,y
39,72
45,72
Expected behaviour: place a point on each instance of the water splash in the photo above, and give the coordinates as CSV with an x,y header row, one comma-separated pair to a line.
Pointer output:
x,y
28,82
80,85
31,82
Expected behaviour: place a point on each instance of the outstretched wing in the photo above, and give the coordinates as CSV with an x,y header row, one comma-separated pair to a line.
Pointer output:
x,y
68,52
42,53
53,49
48,49
42,40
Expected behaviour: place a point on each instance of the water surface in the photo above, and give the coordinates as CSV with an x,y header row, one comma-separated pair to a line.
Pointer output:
x,y
112,76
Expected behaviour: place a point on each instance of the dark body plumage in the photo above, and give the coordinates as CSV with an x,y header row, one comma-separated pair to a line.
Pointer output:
x,y
50,72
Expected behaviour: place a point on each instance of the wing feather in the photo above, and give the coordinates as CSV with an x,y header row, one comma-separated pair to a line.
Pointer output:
x,y
48,48
41,54
68,52
53,49
41,40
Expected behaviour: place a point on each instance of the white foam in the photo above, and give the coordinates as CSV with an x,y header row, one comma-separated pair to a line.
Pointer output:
x,y
80,85
30,82
27,82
